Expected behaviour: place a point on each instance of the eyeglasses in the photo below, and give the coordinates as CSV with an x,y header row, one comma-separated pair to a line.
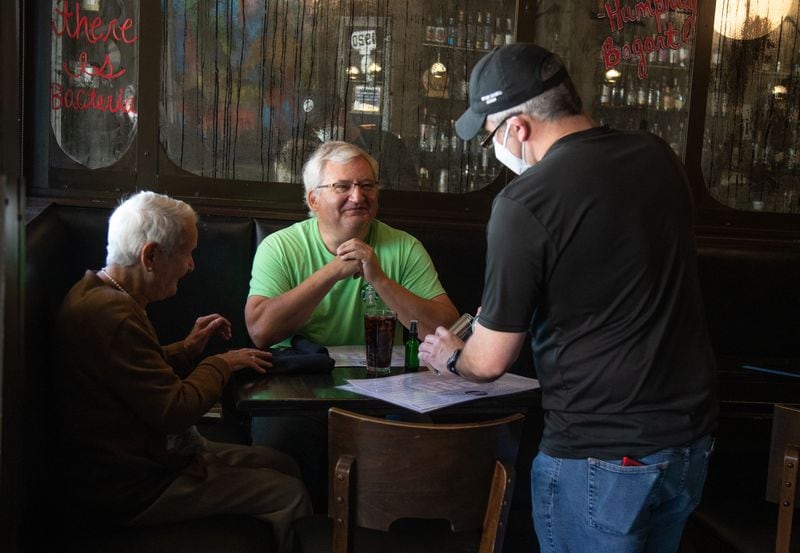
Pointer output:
x,y
488,140
343,187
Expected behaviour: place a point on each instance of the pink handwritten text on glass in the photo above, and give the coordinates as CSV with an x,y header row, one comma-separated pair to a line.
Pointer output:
x,y
667,37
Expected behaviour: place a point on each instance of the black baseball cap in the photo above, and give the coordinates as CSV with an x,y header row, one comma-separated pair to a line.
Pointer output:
x,y
505,77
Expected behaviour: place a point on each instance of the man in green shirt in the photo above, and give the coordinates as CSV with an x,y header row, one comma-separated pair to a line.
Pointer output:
x,y
308,279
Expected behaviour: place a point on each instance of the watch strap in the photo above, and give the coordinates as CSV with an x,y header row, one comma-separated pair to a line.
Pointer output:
x,y
452,360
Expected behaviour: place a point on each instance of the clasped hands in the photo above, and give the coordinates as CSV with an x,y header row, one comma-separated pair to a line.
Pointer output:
x,y
357,259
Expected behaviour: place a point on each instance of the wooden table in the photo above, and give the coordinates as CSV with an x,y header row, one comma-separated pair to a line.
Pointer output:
x,y
316,393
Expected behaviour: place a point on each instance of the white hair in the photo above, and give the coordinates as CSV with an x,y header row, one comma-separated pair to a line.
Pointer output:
x,y
336,151
142,218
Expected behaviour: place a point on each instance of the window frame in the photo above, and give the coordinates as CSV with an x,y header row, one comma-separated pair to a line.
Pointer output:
x,y
146,166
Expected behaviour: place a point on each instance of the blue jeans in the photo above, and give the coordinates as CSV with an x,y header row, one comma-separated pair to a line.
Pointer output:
x,y
587,505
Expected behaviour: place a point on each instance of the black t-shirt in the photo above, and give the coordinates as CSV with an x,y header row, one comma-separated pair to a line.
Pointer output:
x,y
592,250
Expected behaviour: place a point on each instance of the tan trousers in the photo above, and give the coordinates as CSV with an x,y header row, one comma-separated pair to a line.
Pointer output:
x,y
249,480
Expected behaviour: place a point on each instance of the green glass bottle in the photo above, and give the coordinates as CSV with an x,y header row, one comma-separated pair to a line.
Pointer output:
x,y
412,349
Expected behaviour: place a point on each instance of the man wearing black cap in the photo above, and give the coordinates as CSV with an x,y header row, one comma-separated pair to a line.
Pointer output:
x,y
591,250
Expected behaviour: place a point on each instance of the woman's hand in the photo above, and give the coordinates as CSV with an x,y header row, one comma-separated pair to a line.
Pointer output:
x,y
204,328
244,358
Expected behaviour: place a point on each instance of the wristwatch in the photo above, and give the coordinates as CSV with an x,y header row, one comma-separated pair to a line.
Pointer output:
x,y
451,362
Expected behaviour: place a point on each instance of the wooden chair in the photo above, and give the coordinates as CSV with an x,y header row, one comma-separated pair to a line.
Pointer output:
x,y
782,471
738,513
400,486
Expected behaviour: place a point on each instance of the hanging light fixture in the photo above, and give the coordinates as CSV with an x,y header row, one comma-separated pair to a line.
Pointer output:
x,y
353,72
749,19
779,91
438,69
612,75
434,79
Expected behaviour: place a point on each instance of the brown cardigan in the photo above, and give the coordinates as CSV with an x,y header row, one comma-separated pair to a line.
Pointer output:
x,y
121,395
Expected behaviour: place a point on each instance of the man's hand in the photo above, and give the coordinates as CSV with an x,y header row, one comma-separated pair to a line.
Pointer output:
x,y
204,328
343,268
437,348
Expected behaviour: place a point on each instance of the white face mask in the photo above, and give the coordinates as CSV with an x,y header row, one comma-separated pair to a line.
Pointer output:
x,y
504,156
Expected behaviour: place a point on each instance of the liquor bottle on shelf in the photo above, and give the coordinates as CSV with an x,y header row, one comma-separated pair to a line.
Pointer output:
x,y
667,95
683,54
655,128
466,164
443,181
677,95
443,144
451,31
630,91
499,37
430,31
555,46
509,31
679,133
723,104
433,132
654,96
484,171
479,31
424,178
618,94
459,87
461,30
605,94
487,31
475,157
424,132
441,31
791,159
641,94
470,38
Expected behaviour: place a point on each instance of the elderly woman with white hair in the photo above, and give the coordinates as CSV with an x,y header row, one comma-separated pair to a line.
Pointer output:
x,y
131,454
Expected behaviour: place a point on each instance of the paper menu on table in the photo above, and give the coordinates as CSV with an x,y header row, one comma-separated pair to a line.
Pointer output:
x,y
425,391
356,356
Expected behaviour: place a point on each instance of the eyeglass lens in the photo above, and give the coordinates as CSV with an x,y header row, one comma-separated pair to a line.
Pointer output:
x,y
346,187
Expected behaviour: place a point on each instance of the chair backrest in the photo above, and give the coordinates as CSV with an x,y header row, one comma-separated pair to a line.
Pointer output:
x,y
782,471
383,471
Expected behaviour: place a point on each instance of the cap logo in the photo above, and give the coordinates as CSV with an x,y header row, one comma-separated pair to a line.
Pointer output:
x,y
308,105
492,97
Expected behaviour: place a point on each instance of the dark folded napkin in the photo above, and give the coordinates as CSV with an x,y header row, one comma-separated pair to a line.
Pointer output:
x,y
304,356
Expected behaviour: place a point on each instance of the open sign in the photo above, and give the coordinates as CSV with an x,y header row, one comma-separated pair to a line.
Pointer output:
x,y
364,41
